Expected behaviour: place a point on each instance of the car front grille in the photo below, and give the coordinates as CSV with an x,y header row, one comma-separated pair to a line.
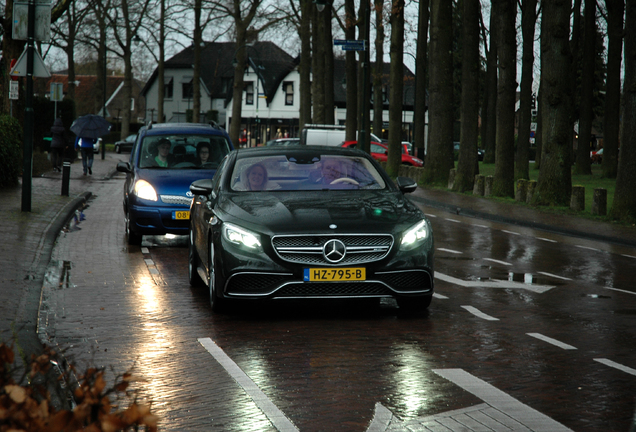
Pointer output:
x,y
333,289
176,199
308,249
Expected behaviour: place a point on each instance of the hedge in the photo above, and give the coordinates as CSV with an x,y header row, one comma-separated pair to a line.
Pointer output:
x,y
10,151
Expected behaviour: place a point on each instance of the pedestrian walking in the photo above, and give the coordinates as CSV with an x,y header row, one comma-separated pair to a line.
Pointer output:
x,y
58,143
85,145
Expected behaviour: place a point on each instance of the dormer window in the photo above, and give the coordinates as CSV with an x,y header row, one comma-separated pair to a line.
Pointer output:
x,y
288,88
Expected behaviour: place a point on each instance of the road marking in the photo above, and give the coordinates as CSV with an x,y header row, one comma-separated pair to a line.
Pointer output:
x,y
481,226
629,256
453,220
620,290
272,412
479,313
493,284
587,247
554,276
149,262
528,417
546,239
144,250
430,215
510,232
616,365
449,251
551,341
381,419
440,296
497,261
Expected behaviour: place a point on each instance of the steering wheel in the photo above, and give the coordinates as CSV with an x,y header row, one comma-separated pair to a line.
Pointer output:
x,y
345,180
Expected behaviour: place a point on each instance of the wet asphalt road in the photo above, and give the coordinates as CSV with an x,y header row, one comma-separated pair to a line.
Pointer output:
x,y
546,319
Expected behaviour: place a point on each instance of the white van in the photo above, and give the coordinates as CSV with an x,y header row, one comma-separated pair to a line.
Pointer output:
x,y
326,135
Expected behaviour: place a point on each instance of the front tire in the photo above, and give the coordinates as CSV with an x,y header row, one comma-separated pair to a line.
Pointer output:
x,y
218,304
134,239
193,264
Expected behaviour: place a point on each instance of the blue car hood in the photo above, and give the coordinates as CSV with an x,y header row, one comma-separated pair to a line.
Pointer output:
x,y
174,181
280,212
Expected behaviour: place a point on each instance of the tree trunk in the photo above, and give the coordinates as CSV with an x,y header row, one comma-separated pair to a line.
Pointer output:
x,y
305,63
611,123
528,22
419,114
239,83
586,109
555,182
624,205
328,56
364,71
504,178
160,68
397,88
318,69
538,135
467,163
378,102
440,132
489,127
351,122
196,75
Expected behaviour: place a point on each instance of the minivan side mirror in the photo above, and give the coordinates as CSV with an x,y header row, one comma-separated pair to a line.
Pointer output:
x,y
124,167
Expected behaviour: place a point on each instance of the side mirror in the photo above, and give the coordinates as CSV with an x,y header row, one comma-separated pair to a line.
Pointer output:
x,y
201,187
406,184
124,167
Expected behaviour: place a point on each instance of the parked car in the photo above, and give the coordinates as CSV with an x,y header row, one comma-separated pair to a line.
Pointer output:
x,y
380,152
157,198
97,146
126,144
596,156
283,141
325,222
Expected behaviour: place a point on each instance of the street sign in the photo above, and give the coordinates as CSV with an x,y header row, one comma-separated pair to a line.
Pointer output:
x,y
42,20
39,69
13,90
57,92
350,44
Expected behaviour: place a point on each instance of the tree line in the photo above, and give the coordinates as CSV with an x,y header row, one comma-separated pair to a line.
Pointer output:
x,y
466,70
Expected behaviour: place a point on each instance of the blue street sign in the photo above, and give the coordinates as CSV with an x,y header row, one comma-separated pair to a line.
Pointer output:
x,y
350,45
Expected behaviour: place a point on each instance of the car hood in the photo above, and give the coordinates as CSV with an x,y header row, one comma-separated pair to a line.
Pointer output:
x,y
317,212
172,181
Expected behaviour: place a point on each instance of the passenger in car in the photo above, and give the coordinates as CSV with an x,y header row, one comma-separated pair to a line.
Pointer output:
x,y
163,157
203,153
256,178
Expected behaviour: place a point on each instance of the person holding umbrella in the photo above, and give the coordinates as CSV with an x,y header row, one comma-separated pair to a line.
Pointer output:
x,y
88,129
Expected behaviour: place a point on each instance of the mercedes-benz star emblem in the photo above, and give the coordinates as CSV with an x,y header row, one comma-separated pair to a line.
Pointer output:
x,y
334,251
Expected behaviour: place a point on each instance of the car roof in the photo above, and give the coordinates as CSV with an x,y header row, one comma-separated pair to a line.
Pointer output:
x,y
302,149
166,128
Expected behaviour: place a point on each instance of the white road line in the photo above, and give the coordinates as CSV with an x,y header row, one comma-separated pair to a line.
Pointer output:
x,y
529,417
381,419
430,215
510,232
554,276
546,239
453,220
144,250
629,256
440,296
493,284
481,226
149,262
272,412
587,247
551,341
497,261
620,290
449,251
479,313
616,365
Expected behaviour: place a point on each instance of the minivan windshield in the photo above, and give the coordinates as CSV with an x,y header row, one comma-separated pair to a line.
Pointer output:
x,y
183,151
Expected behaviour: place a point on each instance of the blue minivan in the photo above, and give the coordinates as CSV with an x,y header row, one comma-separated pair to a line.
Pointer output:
x,y
166,158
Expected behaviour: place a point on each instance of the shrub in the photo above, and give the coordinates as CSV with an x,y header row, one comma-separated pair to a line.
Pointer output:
x,y
10,151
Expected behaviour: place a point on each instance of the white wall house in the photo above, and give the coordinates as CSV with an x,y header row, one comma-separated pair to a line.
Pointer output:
x,y
271,97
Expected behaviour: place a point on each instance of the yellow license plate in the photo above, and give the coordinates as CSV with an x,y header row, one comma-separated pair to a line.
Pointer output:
x,y
181,215
334,274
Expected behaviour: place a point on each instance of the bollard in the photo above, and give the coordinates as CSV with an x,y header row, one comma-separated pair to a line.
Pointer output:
x,y
66,176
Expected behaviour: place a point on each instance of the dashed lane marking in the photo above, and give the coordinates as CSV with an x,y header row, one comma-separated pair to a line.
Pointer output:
x,y
620,290
511,232
497,261
449,251
551,341
628,256
546,239
440,296
493,284
587,248
453,220
554,276
480,314
272,412
615,365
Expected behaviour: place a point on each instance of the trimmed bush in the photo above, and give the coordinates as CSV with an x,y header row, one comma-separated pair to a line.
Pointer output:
x,y
10,151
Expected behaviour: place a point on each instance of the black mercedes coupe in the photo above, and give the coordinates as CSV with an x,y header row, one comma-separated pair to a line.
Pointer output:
x,y
308,222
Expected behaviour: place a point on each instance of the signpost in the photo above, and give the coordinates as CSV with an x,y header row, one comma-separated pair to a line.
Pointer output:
x,y
57,94
350,45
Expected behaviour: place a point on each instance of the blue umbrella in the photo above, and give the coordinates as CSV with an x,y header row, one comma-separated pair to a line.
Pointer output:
x,y
90,126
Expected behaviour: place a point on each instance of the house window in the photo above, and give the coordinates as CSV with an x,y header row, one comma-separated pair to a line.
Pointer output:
x,y
288,88
249,93
167,88
186,88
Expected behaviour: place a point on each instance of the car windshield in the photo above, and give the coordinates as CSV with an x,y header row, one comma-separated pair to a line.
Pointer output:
x,y
293,173
183,151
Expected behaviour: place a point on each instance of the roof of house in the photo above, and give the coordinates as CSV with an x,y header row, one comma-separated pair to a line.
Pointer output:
x,y
272,63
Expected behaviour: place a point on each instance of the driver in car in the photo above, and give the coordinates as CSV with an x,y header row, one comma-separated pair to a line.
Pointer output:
x,y
331,170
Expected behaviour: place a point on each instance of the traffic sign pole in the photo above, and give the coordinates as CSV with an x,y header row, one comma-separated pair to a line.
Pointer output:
x,y
27,168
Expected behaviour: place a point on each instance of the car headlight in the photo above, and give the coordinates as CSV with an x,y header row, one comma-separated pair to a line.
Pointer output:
x,y
241,237
144,190
415,235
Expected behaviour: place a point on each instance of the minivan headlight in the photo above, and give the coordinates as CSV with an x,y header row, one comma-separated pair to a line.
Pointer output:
x,y
415,235
144,190
241,237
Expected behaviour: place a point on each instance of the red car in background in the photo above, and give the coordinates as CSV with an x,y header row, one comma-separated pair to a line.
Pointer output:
x,y
380,152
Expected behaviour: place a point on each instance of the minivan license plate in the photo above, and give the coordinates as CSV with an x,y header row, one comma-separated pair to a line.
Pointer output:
x,y
181,215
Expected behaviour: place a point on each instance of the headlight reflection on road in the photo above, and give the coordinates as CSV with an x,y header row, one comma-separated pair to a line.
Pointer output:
x,y
412,379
